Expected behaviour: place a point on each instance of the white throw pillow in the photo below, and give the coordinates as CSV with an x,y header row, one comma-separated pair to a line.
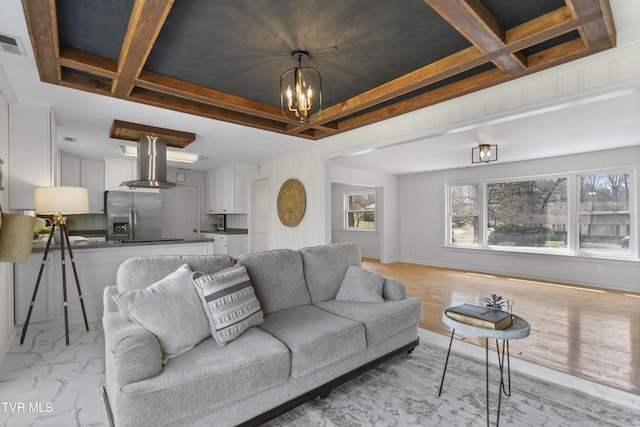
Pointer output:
x,y
229,301
171,310
361,285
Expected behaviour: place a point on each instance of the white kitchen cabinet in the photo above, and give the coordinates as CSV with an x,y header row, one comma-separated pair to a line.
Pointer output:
x,y
31,133
26,275
97,268
77,172
228,244
92,178
116,171
69,169
227,189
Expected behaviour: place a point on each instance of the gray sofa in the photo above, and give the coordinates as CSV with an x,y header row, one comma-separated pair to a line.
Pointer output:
x,y
308,342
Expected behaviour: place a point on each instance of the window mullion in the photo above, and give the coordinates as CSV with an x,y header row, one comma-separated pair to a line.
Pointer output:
x,y
483,214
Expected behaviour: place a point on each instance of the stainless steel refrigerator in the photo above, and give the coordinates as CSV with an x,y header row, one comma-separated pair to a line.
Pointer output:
x,y
133,216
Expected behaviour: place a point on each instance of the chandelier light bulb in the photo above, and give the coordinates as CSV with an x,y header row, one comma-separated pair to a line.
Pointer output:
x,y
300,101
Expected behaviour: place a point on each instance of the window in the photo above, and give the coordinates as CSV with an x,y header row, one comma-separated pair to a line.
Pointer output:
x,y
527,213
463,218
360,210
605,215
589,213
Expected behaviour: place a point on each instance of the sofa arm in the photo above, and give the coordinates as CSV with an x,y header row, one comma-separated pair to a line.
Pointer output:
x,y
393,290
136,351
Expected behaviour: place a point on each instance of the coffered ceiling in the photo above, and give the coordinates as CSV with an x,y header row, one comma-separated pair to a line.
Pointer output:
x,y
378,58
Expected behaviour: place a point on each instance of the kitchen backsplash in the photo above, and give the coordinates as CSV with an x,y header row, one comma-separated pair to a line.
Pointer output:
x,y
233,220
86,222
97,222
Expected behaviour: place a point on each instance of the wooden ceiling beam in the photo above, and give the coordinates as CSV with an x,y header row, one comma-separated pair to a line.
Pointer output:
x,y
548,26
429,74
189,91
451,91
43,31
145,23
85,83
147,97
491,43
472,19
87,62
598,32
170,86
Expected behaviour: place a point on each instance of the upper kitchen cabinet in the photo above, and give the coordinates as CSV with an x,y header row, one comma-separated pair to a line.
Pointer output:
x,y
92,178
117,171
77,172
227,190
31,136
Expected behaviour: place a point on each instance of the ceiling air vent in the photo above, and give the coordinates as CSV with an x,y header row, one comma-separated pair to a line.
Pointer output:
x,y
12,45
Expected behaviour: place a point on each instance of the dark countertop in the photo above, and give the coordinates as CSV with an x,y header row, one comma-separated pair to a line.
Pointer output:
x,y
95,244
228,231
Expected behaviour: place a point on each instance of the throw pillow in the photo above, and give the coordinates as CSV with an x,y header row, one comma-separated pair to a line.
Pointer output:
x,y
361,285
229,301
171,310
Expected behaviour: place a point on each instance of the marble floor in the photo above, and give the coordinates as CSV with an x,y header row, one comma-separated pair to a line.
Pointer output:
x,y
46,383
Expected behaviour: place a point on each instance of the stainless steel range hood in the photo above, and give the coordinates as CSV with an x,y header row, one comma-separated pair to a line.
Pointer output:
x,y
152,164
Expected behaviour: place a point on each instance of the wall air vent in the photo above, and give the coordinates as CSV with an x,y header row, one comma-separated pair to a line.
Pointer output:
x,y
12,44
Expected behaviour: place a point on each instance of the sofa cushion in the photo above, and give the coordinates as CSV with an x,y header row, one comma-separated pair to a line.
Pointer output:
x,y
361,285
394,290
210,376
171,310
277,278
381,321
325,267
140,272
229,302
315,337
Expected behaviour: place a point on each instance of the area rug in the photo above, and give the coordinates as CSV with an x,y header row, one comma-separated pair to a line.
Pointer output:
x,y
404,392
66,383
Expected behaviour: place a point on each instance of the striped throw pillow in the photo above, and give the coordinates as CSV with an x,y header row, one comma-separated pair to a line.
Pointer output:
x,y
229,301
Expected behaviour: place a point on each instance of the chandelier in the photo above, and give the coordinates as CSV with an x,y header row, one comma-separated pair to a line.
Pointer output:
x,y
300,91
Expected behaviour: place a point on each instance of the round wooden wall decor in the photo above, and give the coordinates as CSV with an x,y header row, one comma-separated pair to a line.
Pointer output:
x,y
291,202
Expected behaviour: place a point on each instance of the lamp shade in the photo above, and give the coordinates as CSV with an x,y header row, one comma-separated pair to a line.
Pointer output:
x,y
65,200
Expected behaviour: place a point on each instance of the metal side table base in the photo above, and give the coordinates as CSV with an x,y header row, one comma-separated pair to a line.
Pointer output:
x,y
520,329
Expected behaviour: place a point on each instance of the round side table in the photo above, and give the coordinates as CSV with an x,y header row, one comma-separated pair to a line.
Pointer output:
x,y
518,330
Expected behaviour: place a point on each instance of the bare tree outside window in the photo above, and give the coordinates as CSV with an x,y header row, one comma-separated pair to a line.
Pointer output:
x,y
605,216
463,215
532,213
360,210
590,213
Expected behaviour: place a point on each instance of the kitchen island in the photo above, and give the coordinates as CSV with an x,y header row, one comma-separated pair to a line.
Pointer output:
x,y
97,263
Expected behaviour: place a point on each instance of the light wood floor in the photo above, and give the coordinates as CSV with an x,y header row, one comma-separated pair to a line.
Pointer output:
x,y
586,332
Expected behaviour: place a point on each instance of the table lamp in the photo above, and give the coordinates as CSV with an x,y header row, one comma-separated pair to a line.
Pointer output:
x,y
58,202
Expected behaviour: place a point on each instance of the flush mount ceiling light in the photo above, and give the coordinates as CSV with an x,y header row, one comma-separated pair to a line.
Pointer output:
x,y
172,156
484,153
300,91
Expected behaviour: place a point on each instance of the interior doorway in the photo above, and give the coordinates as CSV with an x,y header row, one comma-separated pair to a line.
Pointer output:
x,y
260,215
180,219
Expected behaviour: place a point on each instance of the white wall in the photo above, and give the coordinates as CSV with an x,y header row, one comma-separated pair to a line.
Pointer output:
x,y
598,74
369,241
387,227
422,207
7,329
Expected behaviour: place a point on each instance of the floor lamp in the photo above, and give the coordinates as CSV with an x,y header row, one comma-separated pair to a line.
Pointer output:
x,y
60,201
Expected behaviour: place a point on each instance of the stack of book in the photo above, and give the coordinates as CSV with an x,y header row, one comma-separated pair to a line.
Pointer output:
x,y
483,317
